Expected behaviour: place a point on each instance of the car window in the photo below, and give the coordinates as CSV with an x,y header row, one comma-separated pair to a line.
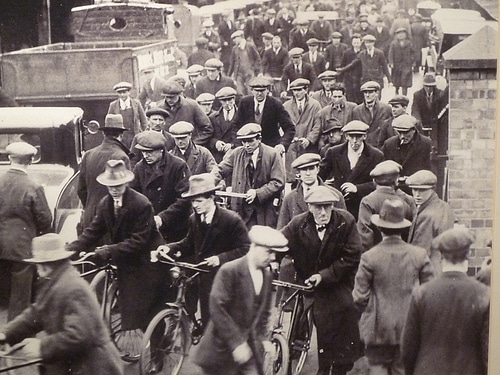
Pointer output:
x,y
6,139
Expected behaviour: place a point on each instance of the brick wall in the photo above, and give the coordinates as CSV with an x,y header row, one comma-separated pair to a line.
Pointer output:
x,y
471,154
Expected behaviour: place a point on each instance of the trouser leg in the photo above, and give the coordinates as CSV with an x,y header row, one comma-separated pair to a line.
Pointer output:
x,y
22,276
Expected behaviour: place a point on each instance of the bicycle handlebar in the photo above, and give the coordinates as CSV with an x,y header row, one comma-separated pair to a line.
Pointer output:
x,y
163,257
285,284
83,259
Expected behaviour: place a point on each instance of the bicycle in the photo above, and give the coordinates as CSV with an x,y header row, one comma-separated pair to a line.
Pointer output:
x,y
173,330
292,344
105,286
10,361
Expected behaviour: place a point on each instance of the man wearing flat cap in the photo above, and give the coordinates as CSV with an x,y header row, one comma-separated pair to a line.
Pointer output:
x,y
381,32
181,108
211,35
372,111
324,95
216,235
408,147
150,91
223,123
162,178
131,110
267,38
447,326
213,81
205,100
322,28
271,23
386,276
433,215
401,59
93,164
350,70
24,214
313,56
201,54
195,73
325,247
301,34
385,177
399,105
348,165
244,63
257,173
335,51
225,28
269,113
296,68
240,307
274,60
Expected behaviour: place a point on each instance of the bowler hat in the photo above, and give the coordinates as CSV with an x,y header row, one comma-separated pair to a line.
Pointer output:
x,y
455,242
21,149
157,111
200,184
296,51
387,167
268,237
171,88
392,215
328,74
48,248
404,123
205,98
355,127
226,93
422,179
249,130
116,173
122,86
400,99
299,83
306,160
370,86
113,122
195,70
332,124
321,195
213,63
150,140
429,80
181,129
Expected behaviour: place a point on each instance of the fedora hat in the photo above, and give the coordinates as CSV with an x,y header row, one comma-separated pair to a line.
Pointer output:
x,y
392,215
48,248
116,173
200,184
113,122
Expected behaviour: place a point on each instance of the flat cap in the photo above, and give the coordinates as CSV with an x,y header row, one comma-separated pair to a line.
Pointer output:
x,y
328,74
455,241
150,140
363,16
332,124
387,167
271,11
208,23
422,179
268,237
355,127
148,69
268,36
259,82
157,111
404,122
336,35
306,160
429,80
321,195
213,63
400,99
201,41
171,88
369,38
205,98
179,79
370,86
21,149
122,86
299,83
356,35
312,42
195,70
226,93
249,130
181,129
237,33
401,30
296,51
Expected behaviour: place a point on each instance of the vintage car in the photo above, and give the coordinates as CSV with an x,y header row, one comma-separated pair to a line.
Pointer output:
x,y
58,133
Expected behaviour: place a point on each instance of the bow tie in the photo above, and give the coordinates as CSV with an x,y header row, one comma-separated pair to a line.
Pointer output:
x,y
320,228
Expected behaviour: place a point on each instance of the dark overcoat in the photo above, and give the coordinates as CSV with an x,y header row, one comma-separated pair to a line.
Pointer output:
x,y
290,75
373,68
402,58
351,76
273,63
133,235
76,340
236,316
140,120
336,259
375,119
198,158
413,156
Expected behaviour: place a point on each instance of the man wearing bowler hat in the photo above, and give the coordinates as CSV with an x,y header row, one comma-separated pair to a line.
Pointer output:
x,y
386,276
127,217
24,214
433,215
162,178
134,118
237,334
75,339
348,165
325,247
447,326
223,123
258,174
216,235
94,162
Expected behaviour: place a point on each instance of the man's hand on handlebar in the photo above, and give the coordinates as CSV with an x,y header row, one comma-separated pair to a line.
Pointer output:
x,y
313,280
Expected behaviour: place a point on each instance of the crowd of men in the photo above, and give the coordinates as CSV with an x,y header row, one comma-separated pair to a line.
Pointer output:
x,y
198,168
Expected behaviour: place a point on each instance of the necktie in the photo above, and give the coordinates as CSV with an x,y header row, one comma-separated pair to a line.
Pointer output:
x,y
297,69
251,170
117,206
300,108
257,110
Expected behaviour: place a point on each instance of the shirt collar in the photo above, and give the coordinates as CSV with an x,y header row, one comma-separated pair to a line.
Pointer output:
x,y
209,216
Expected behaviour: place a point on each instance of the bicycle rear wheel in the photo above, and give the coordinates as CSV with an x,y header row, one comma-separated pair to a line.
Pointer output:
x,y
300,343
278,365
165,344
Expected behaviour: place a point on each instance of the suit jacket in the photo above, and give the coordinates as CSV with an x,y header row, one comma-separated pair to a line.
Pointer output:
x,y
299,40
374,68
198,158
413,156
273,64
140,119
223,131
321,97
274,117
204,84
226,42
343,114
384,39
319,65
236,316
334,55
336,165
200,57
446,330
290,75
428,114
351,76
381,112
323,29
148,95
24,214
234,62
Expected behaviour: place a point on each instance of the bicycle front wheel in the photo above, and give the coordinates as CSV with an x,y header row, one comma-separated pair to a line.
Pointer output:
x,y
165,344
278,364
300,343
